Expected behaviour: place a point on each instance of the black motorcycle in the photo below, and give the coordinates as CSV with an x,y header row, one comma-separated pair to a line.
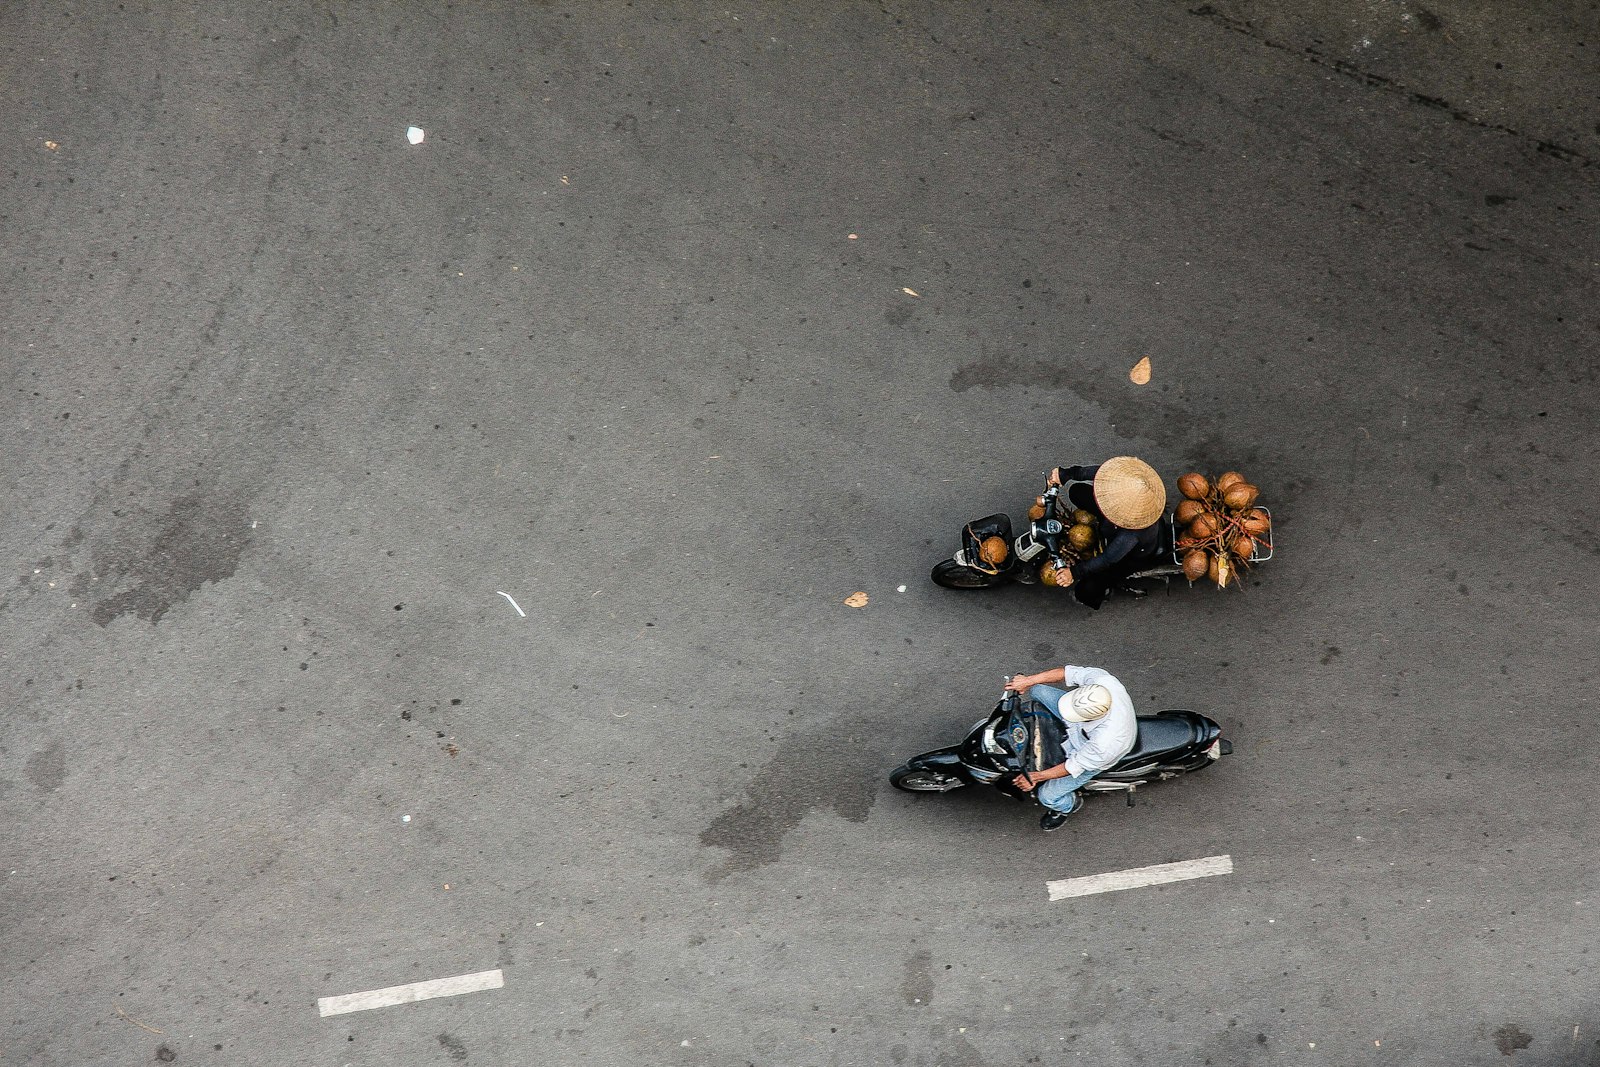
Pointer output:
x,y
1023,735
979,564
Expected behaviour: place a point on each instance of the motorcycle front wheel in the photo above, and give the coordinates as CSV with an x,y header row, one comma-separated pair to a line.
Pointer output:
x,y
953,575
923,780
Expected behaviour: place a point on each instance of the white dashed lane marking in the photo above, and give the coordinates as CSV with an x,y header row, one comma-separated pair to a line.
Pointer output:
x,y
405,994
1139,876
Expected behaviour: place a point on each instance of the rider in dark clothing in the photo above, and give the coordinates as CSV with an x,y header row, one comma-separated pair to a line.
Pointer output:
x,y
1130,499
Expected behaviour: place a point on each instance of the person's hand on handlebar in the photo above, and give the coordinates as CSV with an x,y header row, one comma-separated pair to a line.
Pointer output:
x,y
1055,477
1021,683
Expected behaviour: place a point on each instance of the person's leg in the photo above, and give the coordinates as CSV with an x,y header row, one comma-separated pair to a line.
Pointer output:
x,y
1061,794
1048,695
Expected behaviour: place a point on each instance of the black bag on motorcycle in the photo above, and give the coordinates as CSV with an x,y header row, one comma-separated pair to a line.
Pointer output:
x,y
1036,736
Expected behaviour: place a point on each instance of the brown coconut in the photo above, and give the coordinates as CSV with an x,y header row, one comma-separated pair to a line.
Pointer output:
x,y
1194,486
1256,522
1080,537
1240,496
993,551
1187,511
1204,525
1083,517
1228,480
1195,564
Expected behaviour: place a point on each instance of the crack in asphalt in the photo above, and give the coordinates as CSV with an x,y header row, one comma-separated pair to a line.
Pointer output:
x,y
1389,85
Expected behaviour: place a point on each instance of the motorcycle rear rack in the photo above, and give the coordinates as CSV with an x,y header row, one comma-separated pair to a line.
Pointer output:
x,y
1177,555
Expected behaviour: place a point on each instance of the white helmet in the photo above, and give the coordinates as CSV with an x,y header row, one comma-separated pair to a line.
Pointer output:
x,y
1086,703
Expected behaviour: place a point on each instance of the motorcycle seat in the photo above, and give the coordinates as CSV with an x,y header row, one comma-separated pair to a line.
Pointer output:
x,y
1159,734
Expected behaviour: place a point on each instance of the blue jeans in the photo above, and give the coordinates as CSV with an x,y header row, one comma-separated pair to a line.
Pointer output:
x,y
1057,794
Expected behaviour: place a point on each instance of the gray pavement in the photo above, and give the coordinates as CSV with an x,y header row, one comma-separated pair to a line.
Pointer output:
x,y
288,401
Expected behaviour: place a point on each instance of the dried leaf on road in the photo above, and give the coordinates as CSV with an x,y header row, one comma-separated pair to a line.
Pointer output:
x,y
909,292
856,600
1140,374
51,145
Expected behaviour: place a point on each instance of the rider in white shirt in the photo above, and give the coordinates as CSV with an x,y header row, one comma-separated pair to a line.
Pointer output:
x,y
1101,729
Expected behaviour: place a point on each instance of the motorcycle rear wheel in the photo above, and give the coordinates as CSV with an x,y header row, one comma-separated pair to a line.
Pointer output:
x,y
953,575
923,780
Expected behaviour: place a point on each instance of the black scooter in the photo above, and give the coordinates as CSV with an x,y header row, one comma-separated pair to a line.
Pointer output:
x,y
1023,735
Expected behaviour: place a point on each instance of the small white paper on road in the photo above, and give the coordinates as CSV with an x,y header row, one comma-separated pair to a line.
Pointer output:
x,y
1140,876
414,134
406,994
514,604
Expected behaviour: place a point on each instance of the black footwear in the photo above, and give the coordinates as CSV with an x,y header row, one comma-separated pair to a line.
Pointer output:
x,y
1055,820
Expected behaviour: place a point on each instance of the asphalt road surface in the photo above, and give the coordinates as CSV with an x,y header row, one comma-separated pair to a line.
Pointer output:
x,y
683,323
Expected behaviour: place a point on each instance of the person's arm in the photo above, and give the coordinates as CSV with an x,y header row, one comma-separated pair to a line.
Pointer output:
x,y
1116,549
1021,683
1059,475
1028,779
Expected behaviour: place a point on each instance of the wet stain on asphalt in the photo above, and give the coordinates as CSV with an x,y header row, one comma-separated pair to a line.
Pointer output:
x,y
959,1052
453,1045
47,768
897,315
1511,1037
808,771
1141,414
1002,371
157,562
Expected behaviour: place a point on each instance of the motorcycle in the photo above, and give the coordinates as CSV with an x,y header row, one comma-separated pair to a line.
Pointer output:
x,y
1043,543
1023,735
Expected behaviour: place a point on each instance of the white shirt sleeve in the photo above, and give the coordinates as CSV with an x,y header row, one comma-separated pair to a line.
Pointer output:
x,y
1079,675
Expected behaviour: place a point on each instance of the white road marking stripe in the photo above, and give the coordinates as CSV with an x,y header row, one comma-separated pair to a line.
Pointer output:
x,y
1139,876
405,994
524,614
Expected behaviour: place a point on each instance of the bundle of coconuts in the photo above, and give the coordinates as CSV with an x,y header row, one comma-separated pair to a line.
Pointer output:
x,y
1220,527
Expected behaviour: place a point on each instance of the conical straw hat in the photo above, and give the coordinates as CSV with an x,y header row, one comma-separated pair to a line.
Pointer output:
x,y
1129,492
